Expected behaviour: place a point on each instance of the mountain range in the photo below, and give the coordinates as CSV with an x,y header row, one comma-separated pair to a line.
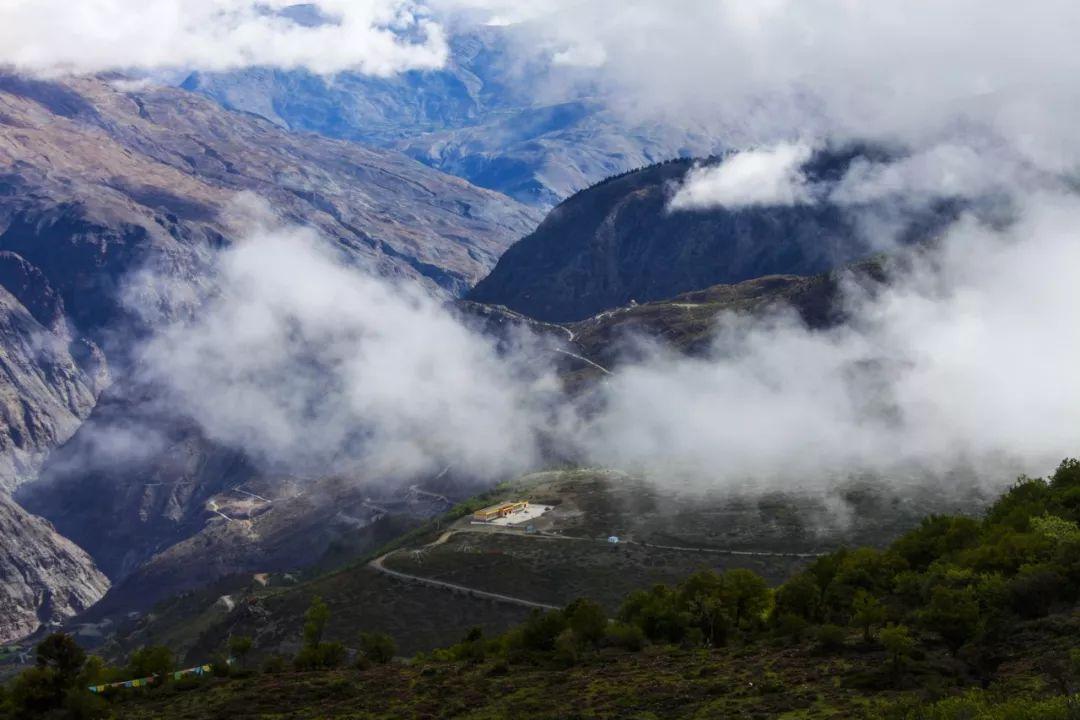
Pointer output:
x,y
111,181
535,131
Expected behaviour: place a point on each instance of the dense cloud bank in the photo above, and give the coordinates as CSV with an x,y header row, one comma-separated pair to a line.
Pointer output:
x,y
969,358
966,361
313,365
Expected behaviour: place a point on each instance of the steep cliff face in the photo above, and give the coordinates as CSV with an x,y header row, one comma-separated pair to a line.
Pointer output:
x,y
44,577
49,380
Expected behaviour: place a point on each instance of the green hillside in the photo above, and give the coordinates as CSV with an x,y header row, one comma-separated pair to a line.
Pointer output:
x,y
664,536
959,618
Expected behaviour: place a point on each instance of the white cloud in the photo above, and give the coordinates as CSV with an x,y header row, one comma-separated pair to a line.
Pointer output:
x,y
948,170
313,365
967,360
970,357
765,176
379,37
917,71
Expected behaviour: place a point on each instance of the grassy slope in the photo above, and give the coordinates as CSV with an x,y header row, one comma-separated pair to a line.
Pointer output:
x,y
591,505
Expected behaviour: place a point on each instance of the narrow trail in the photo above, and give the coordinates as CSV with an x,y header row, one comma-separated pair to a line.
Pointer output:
x,y
251,494
725,551
583,359
427,493
378,565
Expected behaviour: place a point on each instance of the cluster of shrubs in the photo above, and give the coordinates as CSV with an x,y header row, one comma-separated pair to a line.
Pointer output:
x,y
318,654
57,685
961,580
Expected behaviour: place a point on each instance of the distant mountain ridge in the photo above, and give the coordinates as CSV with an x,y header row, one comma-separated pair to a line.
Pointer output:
x,y
494,125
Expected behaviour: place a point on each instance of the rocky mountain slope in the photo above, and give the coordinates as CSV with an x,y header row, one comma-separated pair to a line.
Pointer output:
x,y
102,179
582,351
520,130
44,578
133,480
97,183
163,509
49,377
617,243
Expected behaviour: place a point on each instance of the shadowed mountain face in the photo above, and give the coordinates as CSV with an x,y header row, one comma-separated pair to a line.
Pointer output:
x,y
617,243
133,480
493,125
162,508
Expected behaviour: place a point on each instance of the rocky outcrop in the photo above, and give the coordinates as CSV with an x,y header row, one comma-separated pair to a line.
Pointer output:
x,y
44,578
49,380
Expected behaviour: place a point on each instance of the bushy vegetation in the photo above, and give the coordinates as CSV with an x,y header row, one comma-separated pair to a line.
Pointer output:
x,y
936,609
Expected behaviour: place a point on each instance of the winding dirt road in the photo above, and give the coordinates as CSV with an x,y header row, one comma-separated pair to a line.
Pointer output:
x,y
378,565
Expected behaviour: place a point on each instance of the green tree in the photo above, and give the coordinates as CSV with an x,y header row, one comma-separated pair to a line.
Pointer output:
x,y
379,648
935,537
703,597
952,614
60,652
539,631
656,611
748,595
36,692
151,660
898,642
240,646
587,619
800,596
315,619
866,612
